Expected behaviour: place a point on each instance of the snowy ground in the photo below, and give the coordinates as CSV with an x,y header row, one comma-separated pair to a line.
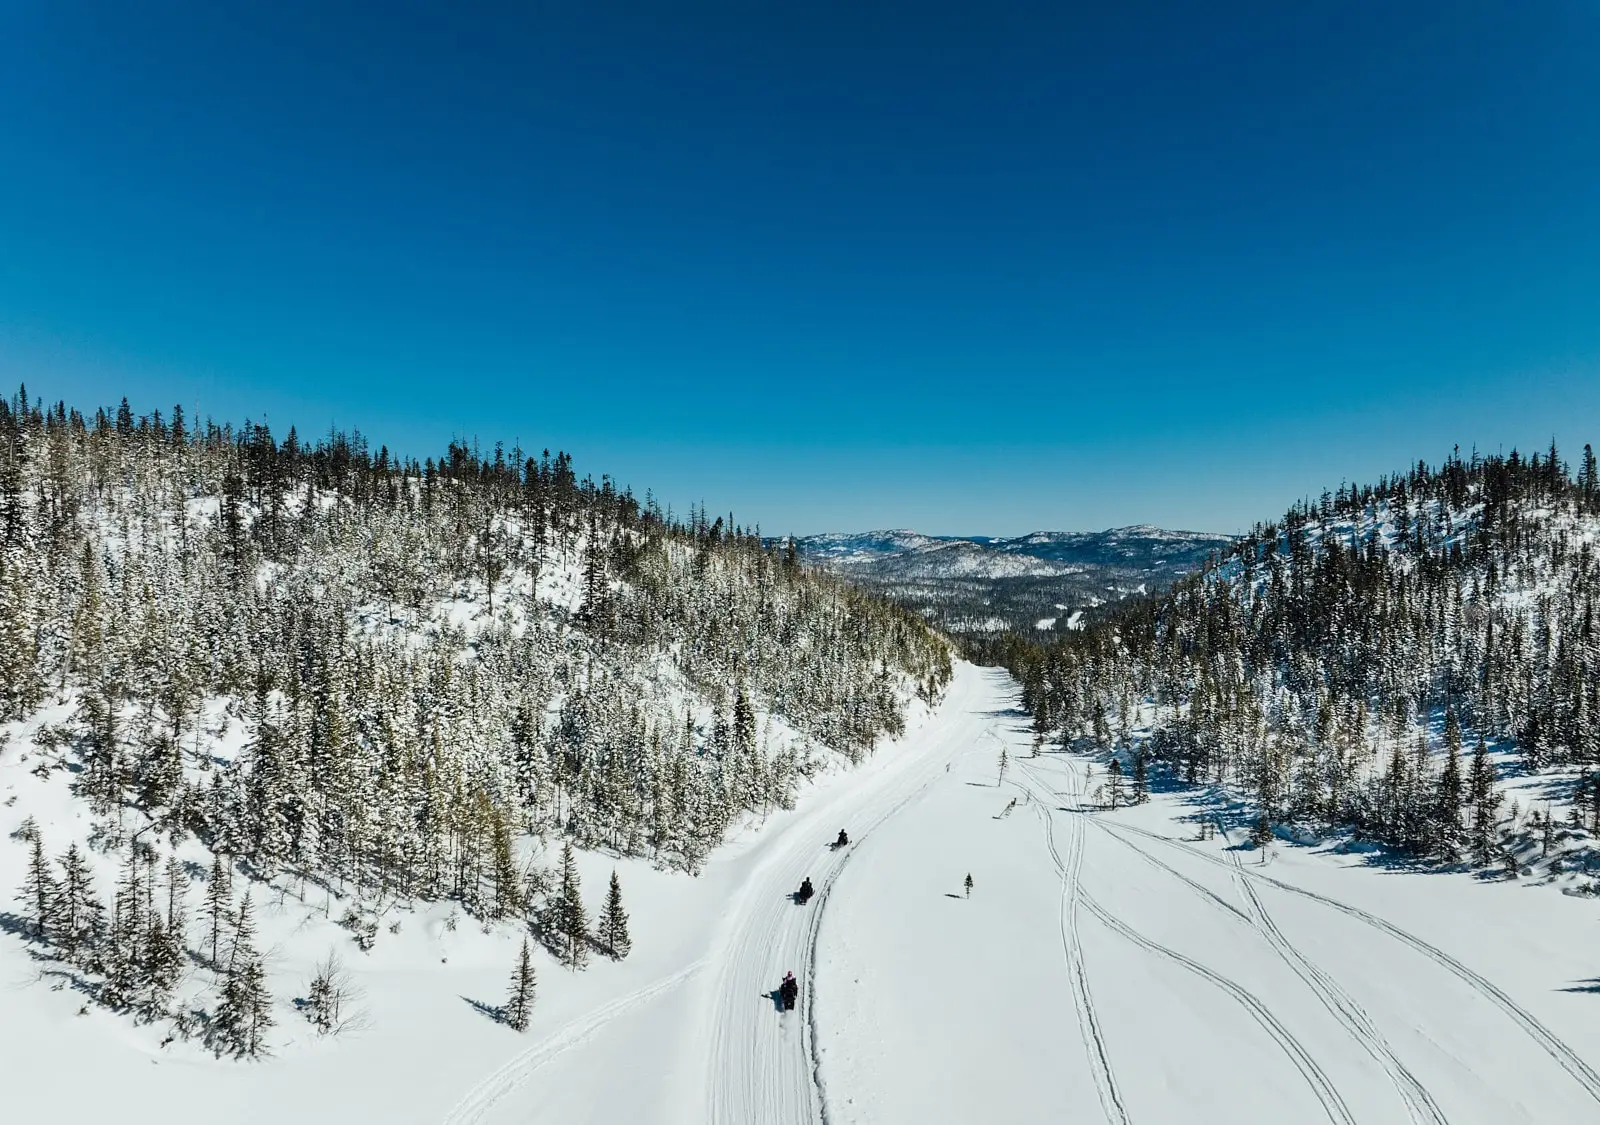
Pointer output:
x,y
1108,966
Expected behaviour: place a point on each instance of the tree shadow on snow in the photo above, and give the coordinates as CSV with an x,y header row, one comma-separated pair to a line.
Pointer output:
x,y
492,1011
952,894
1008,713
1592,985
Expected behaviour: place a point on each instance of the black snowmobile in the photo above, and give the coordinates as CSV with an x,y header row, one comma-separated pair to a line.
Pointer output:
x,y
789,991
842,841
803,895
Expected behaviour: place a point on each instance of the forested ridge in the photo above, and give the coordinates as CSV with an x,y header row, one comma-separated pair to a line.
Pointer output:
x,y
380,676
1366,660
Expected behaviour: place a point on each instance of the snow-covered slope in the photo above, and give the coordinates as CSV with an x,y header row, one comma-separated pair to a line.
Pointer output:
x,y
1108,966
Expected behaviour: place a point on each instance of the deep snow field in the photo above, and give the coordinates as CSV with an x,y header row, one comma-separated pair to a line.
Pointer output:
x,y
1107,966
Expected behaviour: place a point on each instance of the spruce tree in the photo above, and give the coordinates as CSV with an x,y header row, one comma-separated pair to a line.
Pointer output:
x,y
572,921
39,889
161,964
1261,835
613,929
244,1011
1114,782
519,1004
177,909
219,904
79,911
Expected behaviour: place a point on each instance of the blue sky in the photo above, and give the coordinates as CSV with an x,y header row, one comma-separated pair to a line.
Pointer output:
x,y
966,268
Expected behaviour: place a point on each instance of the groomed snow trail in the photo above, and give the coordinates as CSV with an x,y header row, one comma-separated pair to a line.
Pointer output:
x,y
763,1064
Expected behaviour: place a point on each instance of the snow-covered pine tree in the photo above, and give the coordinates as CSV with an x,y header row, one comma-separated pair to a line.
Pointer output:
x,y
613,927
219,904
572,920
177,907
159,968
123,958
1261,834
244,1010
78,910
519,1004
39,888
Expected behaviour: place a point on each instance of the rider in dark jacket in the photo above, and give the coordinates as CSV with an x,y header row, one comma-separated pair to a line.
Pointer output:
x,y
789,990
842,840
805,888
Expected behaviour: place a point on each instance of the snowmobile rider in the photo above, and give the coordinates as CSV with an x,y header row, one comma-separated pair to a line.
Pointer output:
x,y
805,889
843,839
789,990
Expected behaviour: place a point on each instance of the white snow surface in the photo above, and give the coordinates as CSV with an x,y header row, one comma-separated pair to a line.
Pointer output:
x,y
1108,966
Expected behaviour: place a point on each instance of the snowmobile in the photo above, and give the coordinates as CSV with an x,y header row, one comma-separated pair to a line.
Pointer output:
x,y
789,991
803,895
842,841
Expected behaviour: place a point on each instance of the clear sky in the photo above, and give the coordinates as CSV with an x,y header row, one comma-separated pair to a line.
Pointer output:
x,y
969,268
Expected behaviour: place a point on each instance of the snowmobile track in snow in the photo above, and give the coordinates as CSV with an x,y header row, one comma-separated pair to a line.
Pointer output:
x,y
1419,1103
1316,1078
1551,1043
517,1072
1070,869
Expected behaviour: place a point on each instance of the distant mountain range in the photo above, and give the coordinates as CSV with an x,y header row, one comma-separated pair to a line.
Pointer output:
x,y
976,584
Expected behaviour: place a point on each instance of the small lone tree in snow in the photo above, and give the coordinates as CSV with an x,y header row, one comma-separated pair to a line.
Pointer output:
x,y
330,998
519,1005
1004,762
571,920
614,923
1114,782
1141,779
969,884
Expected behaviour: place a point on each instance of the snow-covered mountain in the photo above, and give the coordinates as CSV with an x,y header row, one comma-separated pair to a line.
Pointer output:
x,y
1036,582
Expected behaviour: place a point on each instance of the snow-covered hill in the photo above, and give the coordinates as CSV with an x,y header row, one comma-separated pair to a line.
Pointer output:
x,y
1383,660
978,584
236,673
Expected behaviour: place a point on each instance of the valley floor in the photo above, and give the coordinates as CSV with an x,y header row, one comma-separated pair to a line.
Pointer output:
x,y
1107,966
